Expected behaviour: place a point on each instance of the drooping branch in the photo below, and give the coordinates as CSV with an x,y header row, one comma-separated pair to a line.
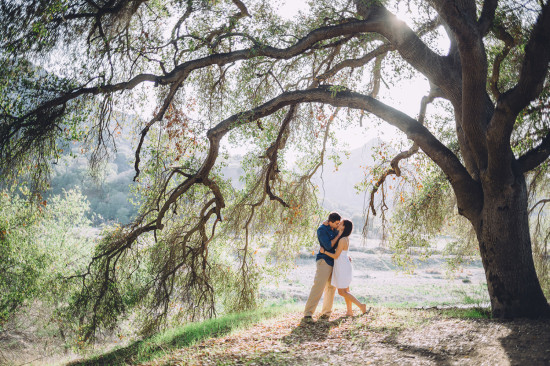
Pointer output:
x,y
542,202
377,76
394,164
376,79
183,255
272,154
156,118
97,293
181,20
323,147
101,135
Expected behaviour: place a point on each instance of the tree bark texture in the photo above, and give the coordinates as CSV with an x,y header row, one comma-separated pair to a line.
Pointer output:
x,y
505,247
483,130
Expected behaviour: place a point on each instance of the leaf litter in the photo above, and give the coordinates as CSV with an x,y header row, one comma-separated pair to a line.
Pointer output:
x,y
384,337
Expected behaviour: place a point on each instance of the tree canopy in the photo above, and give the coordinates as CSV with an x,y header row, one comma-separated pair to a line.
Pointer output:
x,y
206,72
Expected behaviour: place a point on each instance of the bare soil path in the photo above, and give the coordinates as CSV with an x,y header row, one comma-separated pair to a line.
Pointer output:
x,y
384,337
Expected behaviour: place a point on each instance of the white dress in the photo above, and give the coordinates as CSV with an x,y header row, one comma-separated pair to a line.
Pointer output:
x,y
342,271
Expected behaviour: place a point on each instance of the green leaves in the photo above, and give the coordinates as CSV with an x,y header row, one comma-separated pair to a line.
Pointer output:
x,y
334,89
40,244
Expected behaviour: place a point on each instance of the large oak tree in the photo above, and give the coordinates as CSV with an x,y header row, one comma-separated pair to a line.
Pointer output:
x,y
261,78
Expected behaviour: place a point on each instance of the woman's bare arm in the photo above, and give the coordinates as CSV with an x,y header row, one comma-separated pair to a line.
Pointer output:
x,y
335,255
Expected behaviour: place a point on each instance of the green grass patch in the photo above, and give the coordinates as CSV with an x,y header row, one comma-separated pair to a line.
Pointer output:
x,y
179,337
467,313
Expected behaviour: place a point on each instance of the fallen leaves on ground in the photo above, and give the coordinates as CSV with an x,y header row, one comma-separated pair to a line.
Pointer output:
x,y
384,337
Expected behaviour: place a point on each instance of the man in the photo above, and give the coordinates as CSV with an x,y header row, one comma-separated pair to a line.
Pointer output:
x,y
328,236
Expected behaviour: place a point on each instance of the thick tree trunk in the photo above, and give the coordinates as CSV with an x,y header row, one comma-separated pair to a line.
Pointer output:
x,y
505,246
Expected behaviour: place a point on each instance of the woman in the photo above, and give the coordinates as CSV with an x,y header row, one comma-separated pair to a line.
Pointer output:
x,y
342,270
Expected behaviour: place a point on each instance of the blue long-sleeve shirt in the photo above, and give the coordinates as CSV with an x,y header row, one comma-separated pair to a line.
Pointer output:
x,y
325,235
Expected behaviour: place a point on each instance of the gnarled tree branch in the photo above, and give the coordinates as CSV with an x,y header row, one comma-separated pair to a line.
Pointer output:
x,y
536,156
439,153
509,42
487,16
533,70
533,73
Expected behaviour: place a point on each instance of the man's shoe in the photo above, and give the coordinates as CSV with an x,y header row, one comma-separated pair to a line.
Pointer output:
x,y
307,319
324,317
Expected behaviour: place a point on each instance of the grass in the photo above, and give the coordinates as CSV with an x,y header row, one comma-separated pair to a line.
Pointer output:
x,y
178,337
478,311
422,295
467,313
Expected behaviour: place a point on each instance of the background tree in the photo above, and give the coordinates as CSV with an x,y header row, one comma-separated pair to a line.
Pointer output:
x,y
228,68
41,243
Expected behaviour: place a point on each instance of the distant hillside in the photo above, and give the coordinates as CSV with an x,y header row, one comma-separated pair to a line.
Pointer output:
x,y
337,186
109,196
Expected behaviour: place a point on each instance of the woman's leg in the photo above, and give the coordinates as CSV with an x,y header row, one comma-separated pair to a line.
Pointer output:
x,y
342,292
351,299
348,305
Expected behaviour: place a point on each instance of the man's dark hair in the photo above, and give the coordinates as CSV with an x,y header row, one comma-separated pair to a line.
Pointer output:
x,y
348,228
334,216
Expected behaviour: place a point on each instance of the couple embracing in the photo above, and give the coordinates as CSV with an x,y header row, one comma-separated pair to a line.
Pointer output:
x,y
334,270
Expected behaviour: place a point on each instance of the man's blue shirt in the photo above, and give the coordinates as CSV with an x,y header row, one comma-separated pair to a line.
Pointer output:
x,y
325,235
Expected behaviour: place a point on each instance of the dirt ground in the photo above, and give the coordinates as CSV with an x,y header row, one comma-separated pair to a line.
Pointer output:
x,y
384,337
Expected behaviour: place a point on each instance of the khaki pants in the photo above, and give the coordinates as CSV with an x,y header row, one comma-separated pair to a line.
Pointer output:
x,y
321,283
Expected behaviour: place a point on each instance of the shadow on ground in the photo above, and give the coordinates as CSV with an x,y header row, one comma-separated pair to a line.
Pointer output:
x,y
312,332
527,341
